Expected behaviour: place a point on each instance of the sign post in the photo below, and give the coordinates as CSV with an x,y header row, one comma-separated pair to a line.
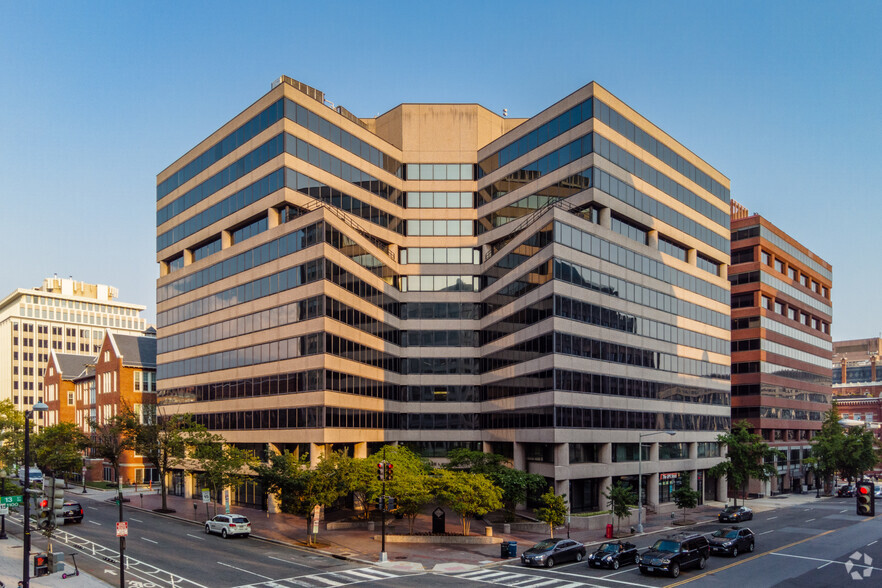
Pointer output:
x,y
206,498
316,513
227,500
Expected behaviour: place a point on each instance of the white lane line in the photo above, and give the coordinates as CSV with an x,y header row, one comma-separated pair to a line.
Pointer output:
x,y
244,570
809,520
825,565
770,518
150,540
841,511
327,581
765,532
136,520
94,508
94,523
291,562
196,537
868,544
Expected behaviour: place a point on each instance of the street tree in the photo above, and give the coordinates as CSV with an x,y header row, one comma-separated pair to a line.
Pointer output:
x,y
685,498
300,489
410,470
108,441
468,495
223,465
412,491
516,485
12,424
859,453
827,448
554,510
619,499
748,457
164,440
58,449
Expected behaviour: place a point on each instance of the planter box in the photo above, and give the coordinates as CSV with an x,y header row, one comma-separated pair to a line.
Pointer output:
x,y
461,539
369,525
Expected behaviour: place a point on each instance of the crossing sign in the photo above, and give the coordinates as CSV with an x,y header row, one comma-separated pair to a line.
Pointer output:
x,y
122,529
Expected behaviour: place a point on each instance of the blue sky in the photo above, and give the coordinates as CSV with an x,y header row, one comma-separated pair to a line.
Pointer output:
x,y
97,98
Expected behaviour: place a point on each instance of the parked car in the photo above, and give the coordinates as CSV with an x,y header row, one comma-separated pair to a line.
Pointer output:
x,y
675,553
877,491
613,554
228,525
34,475
72,512
553,551
735,514
846,491
732,540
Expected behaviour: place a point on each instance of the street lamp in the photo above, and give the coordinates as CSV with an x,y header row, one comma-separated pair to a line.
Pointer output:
x,y
26,554
640,475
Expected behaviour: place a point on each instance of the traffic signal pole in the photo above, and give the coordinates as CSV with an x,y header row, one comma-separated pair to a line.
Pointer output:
x,y
122,541
383,556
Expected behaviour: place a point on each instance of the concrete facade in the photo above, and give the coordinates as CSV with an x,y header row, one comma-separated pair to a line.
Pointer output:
x,y
440,276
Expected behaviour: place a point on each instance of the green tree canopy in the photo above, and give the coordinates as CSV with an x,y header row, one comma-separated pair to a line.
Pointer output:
x,y
859,452
827,447
516,485
747,457
222,464
554,510
58,449
619,499
109,440
469,495
12,424
684,496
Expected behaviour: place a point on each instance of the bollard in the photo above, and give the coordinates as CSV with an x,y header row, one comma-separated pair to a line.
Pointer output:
x,y
195,512
489,531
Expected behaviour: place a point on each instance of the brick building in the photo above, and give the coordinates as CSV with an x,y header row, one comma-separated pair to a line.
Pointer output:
x,y
781,343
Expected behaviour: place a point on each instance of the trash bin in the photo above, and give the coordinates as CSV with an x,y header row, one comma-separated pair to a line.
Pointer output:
x,y
609,531
503,550
512,548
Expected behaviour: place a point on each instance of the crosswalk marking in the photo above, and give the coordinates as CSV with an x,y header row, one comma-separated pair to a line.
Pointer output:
x,y
328,579
515,580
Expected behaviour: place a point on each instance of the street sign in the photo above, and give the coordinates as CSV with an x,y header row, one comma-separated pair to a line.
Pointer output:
x,y
206,496
4,509
122,529
316,512
10,499
227,500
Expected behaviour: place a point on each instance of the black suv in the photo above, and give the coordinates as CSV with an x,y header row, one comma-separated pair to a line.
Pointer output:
x,y
732,540
675,552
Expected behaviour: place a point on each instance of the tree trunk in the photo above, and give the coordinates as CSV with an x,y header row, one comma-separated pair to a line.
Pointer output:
x,y
163,490
551,530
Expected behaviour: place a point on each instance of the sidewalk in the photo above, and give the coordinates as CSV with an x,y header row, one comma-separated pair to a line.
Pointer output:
x,y
11,567
360,544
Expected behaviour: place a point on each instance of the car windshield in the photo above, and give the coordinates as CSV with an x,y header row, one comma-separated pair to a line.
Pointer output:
x,y
732,509
609,548
240,520
665,545
727,534
544,545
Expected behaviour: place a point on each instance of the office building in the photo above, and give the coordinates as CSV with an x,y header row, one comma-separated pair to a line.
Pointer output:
x,y
781,343
62,315
856,369
553,289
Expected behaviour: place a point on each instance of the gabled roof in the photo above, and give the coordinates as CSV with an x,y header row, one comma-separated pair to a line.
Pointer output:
x,y
135,350
71,366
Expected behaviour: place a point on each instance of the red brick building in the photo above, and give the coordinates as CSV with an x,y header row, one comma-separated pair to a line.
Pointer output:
x,y
59,385
123,374
781,343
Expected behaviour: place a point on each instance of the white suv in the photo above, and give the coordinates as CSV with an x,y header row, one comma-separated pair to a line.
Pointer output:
x,y
228,525
34,475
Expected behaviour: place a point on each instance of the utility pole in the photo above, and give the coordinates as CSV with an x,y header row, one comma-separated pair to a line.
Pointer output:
x,y
122,539
383,556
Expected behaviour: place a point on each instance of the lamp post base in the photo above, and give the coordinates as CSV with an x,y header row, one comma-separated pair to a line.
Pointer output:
x,y
639,527
383,557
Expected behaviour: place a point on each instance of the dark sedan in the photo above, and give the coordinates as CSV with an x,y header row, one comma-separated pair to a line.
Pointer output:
x,y
732,540
73,512
553,551
735,514
846,491
613,555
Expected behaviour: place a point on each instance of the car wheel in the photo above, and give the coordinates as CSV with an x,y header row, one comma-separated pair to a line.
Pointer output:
x,y
734,552
207,530
702,563
549,563
579,556
224,533
615,564
750,547
675,570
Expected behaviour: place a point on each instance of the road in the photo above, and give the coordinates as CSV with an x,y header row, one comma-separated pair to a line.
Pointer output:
x,y
804,547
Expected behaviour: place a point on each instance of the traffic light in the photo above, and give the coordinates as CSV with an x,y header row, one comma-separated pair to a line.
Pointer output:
x,y
54,488
866,501
388,471
41,565
381,471
390,504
